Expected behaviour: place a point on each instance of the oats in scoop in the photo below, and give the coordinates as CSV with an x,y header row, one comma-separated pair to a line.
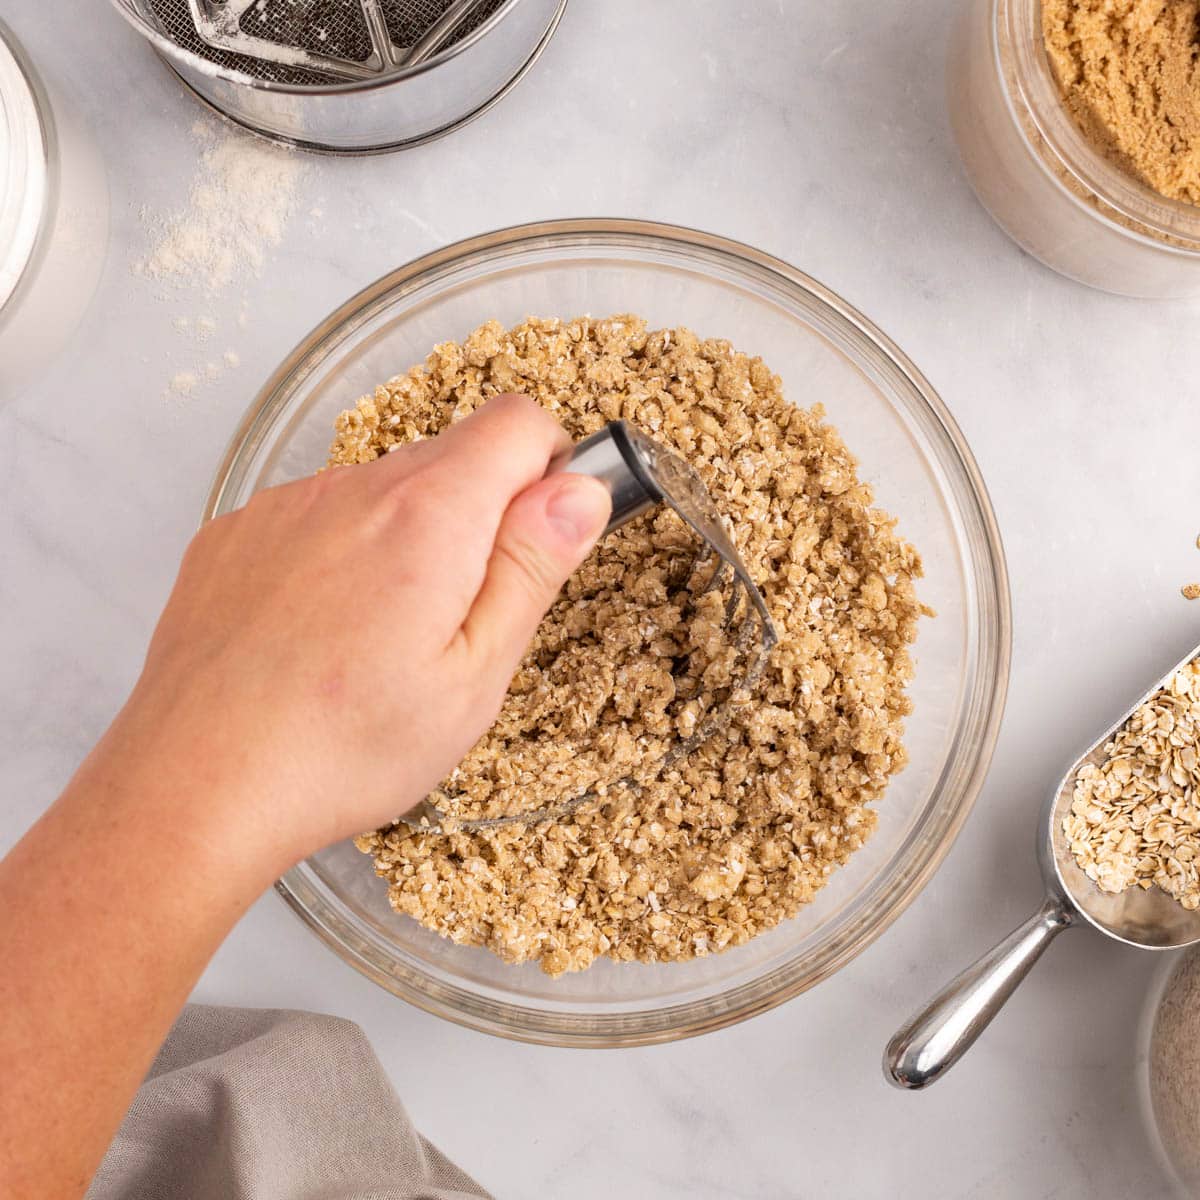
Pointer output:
x,y
1135,818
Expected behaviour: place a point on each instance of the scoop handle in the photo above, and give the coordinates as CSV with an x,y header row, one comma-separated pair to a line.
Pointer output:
x,y
935,1038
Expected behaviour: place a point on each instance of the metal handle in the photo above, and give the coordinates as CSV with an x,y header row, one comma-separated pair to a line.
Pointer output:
x,y
935,1038
610,457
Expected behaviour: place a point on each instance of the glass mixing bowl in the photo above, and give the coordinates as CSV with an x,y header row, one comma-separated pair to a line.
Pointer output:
x,y
908,447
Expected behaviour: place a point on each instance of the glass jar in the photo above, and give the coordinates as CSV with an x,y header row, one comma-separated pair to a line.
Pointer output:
x,y
1168,1069
53,220
1045,184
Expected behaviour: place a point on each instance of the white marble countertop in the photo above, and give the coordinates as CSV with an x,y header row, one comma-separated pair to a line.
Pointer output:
x,y
817,132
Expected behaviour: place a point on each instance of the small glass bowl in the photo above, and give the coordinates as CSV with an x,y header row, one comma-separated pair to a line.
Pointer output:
x,y
908,447
53,219
1166,1070
1041,179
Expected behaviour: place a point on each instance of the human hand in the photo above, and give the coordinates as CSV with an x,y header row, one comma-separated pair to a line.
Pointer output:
x,y
327,655
333,649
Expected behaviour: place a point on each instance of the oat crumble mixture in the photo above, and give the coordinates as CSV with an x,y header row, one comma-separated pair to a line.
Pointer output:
x,y
1135,817
730,842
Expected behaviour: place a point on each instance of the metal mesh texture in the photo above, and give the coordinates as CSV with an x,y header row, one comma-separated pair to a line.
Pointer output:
x,y
335,28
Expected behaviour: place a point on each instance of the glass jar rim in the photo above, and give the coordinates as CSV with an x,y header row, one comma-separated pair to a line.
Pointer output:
x,y
24,165
1121,200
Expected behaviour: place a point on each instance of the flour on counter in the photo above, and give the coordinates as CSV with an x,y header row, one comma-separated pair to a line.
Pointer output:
x,y
200,328
241,199
183,383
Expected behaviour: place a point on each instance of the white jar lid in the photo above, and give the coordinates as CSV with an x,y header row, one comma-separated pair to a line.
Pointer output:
x,y
24,174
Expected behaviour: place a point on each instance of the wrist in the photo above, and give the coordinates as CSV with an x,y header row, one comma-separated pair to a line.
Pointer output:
x,y
172,785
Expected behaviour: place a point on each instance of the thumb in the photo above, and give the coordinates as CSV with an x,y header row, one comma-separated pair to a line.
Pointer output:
x,y
546,533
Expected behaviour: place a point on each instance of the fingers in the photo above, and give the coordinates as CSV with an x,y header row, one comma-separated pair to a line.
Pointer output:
x,y
546,533
491,455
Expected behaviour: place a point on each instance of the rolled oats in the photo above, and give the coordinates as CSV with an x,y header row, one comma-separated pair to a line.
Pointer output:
x,y
1135,818
729,842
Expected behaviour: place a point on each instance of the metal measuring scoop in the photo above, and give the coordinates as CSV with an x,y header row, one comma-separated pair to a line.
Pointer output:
x,y
639,474
935,1038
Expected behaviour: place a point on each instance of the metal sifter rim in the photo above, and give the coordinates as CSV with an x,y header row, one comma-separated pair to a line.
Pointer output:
x,y
170,49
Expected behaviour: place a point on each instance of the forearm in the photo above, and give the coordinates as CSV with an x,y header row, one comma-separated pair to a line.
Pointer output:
x,y
322,662
112,904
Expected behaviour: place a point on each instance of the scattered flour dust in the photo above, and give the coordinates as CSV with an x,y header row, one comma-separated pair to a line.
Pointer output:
x,y
240,202
241,198
183,383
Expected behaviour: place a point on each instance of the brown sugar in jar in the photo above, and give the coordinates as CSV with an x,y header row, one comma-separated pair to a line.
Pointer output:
x,y
1129,72
1077,126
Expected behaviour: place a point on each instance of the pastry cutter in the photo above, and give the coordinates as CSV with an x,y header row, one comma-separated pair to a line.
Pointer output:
x,y
640,474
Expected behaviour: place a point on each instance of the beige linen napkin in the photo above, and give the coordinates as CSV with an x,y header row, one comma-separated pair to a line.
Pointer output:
x,y
268,1104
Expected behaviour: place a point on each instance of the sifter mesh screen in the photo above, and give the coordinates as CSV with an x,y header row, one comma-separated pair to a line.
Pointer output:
x,y
335,28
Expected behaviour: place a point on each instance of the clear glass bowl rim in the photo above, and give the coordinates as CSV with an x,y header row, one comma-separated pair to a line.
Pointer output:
x,y
925,847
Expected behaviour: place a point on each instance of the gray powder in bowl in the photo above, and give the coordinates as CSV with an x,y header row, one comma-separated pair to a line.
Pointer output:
x,y
1175,1070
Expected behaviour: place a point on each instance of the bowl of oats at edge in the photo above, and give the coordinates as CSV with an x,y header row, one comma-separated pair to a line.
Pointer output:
x,y
752,871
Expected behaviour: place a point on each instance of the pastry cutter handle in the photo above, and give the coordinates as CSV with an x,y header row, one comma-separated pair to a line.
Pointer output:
x,y
611,456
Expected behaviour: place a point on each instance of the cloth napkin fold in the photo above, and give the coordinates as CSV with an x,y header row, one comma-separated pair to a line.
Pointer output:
x,y
270,1104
